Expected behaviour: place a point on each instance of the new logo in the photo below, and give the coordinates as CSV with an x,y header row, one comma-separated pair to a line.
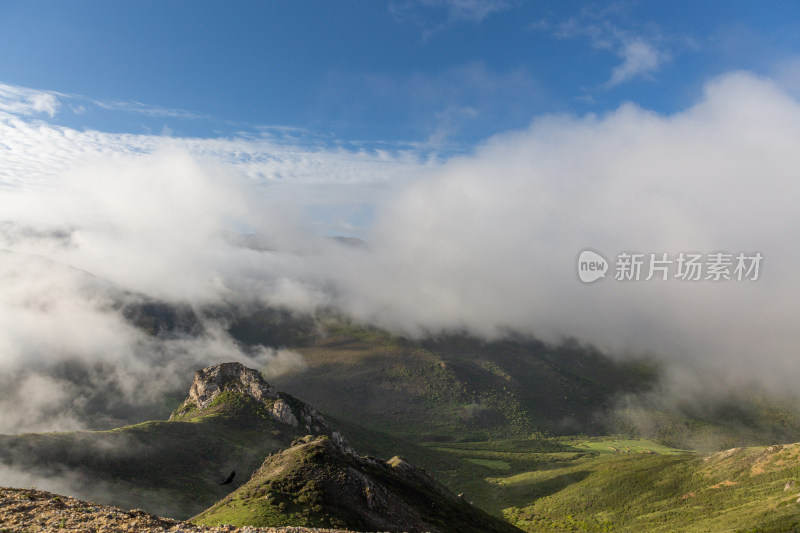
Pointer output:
x,y
591,266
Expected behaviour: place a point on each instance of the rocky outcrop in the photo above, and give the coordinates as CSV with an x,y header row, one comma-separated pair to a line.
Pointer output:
x,y
209,383
283,413
212,381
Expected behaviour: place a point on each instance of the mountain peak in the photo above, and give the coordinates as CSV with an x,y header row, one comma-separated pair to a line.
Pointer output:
x,y
219,383
212,381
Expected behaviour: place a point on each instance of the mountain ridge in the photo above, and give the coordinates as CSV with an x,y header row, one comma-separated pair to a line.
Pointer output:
x,y
318,482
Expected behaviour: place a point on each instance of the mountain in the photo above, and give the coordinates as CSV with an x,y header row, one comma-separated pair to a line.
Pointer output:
x,y
460,387
503,422
231,419
456,386
447,386
321,482
294,467
590,485
217,438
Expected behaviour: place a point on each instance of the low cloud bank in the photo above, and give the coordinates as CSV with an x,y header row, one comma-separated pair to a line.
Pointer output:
x,y
483,242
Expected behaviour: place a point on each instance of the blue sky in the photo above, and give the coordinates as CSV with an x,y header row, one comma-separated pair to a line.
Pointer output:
x,y
444,74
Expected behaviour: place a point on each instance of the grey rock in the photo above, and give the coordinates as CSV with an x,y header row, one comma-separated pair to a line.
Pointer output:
x,y
283,413
212,381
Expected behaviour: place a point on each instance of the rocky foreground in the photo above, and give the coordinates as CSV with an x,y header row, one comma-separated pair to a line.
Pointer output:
x,y
28,510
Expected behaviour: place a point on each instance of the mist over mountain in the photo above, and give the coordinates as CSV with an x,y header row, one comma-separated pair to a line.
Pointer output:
x,y
483,243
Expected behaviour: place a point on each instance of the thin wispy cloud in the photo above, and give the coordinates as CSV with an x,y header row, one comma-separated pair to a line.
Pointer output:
x,y
25,101
639,60
443,104
38,151
144,109
433,16
44,103
256,139
643,49
473,10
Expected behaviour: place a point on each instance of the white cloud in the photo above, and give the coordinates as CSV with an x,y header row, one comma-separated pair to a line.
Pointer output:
x,y
36,156
643,50
491,241
24,101
17,100
640,59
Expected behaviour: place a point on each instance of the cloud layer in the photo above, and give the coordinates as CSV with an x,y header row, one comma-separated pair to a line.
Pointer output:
x,y
483,242
491,239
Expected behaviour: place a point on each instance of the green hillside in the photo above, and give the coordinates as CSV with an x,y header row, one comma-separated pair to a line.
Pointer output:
x,y
619,484
319,483
459,387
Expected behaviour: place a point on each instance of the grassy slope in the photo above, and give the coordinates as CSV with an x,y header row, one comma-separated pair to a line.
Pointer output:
x,y
630,485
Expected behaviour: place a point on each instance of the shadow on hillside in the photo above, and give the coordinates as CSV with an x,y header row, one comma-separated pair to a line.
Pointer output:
x,y
542,489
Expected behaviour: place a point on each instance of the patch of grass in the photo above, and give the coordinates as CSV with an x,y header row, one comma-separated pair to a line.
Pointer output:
x,y
622,445
669,491
490,463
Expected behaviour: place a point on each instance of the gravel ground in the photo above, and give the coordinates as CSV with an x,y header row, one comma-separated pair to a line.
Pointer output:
x,y
29,511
